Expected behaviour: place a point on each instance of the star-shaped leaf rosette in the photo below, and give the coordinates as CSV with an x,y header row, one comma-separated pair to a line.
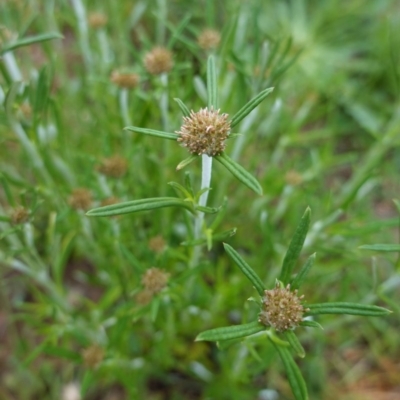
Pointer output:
x,y
203,133
283,310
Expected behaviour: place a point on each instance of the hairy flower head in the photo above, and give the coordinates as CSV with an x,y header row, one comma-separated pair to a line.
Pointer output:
x,y
114,167
80,199
204,132
124,79
209,39
158,60
282,309
155,279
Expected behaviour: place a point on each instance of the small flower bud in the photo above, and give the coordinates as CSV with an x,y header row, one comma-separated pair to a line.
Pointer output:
x,y
205,132
19,215
97,20
124,80
282,309
92,356
80,199
157,244
114,167
144,297
158,60
209,39
154,280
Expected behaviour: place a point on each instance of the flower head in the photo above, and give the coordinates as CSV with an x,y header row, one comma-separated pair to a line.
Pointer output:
x,y
282,309
154,280
124,79
209,39
97,20
19,215
114,167
158,60
80,199
205,132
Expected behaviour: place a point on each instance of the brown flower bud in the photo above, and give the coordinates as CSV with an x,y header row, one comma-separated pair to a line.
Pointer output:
x,y
205,132
282,309
124,80
154,280
80,199
92,356
114,167
97,20
158,60
19,215
209,39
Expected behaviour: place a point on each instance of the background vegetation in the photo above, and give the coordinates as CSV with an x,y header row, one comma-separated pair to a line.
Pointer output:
x,y
74,315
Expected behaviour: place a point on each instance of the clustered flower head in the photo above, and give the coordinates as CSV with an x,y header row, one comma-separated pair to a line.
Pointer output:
x,y
209,39
282,309
97,20
19,215
124,79
114,167
158,60
204,132
93,355
154,280
80,199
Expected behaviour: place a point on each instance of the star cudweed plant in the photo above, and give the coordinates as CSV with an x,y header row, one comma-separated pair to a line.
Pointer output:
x,y
204,134
282,310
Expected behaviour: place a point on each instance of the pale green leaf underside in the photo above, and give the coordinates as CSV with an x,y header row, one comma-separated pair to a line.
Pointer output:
x,y
152,132
139,205
240,173
250,106
230,332
294,342
293,373
212,84
246,269
31,40
347,308
295,247
381,247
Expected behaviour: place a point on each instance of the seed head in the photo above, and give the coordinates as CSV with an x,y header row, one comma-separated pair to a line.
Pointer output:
x,y
154,280
157,244
19,215
114,167
158,60
282,309
80,199
144,297
209,39
124,80
93,355
205,132
97,20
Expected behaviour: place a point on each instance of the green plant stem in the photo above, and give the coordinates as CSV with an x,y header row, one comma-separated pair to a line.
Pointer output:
x,y
124,106
106,55
164,101
12,67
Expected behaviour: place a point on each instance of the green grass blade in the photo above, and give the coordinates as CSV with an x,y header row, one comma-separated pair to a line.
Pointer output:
x,y
347,308
139,205
246,269
185,110
230,332
294,342
295,247
212,84
186,161
293,373
152,132
301,276
381,247
31,40
250,106
240,173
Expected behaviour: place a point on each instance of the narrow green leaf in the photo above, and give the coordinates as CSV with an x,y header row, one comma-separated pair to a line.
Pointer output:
x,y
152,132
139,205
311,324
207,210
31,40
186,162
293,373
212,84
294,342
381,247
250,106
10,97
231,332
347,308
185,110
246,269
240,173
180,190
295,247
301,276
